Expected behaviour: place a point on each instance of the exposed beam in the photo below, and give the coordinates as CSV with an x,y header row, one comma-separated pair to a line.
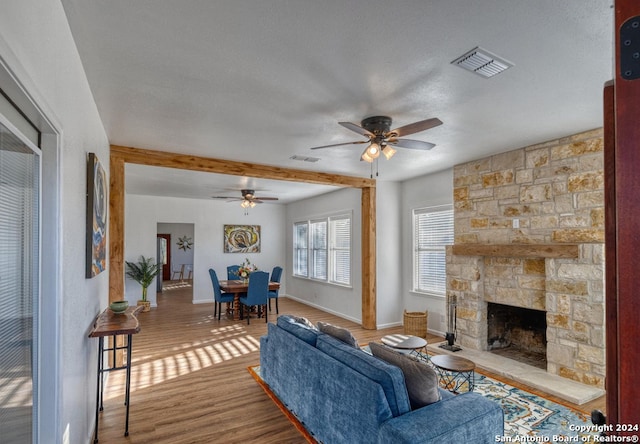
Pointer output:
x,y
120,155
234,168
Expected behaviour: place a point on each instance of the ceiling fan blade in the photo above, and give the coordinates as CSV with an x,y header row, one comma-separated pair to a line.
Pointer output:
x,y
229,198
415,127
357,128
265,198
411,144
339,144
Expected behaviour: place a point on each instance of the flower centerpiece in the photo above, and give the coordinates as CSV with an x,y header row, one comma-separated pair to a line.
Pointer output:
x,y
246,268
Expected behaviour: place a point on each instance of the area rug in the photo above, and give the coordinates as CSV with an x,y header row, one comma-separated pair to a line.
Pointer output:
x,y
527,417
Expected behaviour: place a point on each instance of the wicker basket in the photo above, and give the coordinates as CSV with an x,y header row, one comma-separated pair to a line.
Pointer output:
x,y
415,323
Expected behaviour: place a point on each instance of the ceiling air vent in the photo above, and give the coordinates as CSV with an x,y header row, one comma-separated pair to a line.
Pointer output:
x,y
304,158
482,62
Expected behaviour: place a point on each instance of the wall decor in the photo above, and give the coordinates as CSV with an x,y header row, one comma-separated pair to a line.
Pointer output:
x,y
242,238
96,217
185,243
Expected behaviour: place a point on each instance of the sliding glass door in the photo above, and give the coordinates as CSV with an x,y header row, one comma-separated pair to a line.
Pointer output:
x,y
19,284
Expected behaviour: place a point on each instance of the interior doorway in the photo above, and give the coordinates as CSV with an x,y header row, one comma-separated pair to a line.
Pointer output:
x,y
166,255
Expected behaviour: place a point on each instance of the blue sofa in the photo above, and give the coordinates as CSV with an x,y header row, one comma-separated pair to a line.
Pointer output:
x,y
344,395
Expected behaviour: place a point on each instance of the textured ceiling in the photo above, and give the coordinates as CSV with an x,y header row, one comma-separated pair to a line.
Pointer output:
x,y
262,81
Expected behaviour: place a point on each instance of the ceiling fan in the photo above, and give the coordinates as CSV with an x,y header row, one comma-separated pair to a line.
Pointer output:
x,y
248,199
382,139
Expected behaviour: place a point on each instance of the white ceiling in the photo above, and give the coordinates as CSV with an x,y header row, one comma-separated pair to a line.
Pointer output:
x,y
264,80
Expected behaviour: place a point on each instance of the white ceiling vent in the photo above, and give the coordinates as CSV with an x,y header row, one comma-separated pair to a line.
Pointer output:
x,y
304,158
482,62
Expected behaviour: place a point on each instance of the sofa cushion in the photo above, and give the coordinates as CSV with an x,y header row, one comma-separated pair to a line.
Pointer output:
x,y
389,377
308,334
340,333
421,380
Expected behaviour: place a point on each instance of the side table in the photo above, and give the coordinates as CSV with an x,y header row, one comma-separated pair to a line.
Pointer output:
x,y
454,372
415,345
113,324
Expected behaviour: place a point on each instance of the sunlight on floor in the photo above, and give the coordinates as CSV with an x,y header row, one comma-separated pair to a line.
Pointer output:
x,y
226,343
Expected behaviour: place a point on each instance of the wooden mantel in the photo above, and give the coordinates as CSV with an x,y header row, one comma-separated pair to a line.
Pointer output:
x,y
568,251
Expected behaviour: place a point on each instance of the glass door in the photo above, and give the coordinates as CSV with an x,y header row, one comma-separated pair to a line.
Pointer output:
x,y
19,284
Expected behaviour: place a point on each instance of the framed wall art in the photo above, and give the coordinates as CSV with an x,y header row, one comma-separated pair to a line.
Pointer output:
x,y
242,238
97,204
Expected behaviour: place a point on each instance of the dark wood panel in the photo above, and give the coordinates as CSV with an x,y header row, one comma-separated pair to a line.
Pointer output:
x,y
627,190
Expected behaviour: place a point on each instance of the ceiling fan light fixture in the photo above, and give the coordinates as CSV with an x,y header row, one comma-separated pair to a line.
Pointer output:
x,y
245,203
388,151
366,157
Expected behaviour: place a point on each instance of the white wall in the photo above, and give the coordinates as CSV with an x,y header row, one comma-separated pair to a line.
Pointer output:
x,y
425,191
143,213
37,46
342,301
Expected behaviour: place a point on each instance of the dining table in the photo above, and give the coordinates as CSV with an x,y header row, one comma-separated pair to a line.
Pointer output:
x,y
238,287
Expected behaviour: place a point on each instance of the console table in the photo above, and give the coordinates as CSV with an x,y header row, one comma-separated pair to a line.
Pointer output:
x,y
110,324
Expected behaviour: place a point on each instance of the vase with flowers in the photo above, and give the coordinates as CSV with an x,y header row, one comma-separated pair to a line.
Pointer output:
x,y
246,268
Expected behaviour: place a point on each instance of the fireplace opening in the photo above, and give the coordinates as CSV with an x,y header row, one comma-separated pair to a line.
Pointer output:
x,y
518,333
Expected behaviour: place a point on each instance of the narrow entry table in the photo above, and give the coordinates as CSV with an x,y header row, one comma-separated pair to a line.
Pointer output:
x,y
113,324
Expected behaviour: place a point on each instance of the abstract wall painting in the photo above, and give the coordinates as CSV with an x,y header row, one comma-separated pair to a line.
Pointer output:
x,y
97,205
242,238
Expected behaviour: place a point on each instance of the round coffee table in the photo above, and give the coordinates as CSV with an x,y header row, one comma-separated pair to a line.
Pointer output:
x,y
415,345
454,372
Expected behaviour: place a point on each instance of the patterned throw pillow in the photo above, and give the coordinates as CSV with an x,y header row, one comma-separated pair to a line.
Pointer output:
x,y
340,333
304,321
421,380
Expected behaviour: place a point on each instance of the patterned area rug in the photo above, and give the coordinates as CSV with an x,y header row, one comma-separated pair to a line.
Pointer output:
x,y
526,416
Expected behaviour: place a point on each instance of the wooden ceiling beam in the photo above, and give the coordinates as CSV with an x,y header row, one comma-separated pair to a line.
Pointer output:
x,y
120,155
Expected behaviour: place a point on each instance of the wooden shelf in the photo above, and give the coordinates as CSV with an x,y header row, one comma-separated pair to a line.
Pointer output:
x,y
568,251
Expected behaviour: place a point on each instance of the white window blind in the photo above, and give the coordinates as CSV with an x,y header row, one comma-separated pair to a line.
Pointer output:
x,y
19,285
300,253
433,230
340,250
318,249
322,249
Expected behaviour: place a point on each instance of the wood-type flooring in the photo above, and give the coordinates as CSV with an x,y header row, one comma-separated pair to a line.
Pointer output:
x,y
190,382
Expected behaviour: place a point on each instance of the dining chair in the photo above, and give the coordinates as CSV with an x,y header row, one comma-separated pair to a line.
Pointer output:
x,y
257,294
177,270
218,296
232,272
276,274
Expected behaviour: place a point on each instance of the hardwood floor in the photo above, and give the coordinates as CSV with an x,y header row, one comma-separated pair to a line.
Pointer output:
x,y
189,378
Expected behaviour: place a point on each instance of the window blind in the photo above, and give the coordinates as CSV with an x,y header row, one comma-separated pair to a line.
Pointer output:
x,y
433,230
340,249
19,247
318,249
300,254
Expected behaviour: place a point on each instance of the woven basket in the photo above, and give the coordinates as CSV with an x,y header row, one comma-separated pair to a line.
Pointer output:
x,y
415,323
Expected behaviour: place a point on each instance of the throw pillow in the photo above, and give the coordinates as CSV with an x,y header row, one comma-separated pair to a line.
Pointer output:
x,y
304,321
340,333
421,380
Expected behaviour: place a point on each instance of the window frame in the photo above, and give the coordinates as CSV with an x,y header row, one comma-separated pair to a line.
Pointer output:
x,y
439,249
314,253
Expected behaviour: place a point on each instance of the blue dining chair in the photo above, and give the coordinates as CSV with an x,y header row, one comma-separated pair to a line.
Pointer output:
x,y
218,296
232,272
257,294
276,274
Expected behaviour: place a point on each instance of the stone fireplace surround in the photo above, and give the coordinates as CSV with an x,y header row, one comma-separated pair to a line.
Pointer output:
x,y
529,230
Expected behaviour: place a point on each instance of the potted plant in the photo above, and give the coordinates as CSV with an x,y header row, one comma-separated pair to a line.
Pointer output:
x,y
143,272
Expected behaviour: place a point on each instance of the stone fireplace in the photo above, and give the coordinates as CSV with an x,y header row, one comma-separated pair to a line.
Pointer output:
x,y
529,230
517,333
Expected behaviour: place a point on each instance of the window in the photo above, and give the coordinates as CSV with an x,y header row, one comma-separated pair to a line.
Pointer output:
x,y
300,256
322,249
340,250
318,249
433,230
